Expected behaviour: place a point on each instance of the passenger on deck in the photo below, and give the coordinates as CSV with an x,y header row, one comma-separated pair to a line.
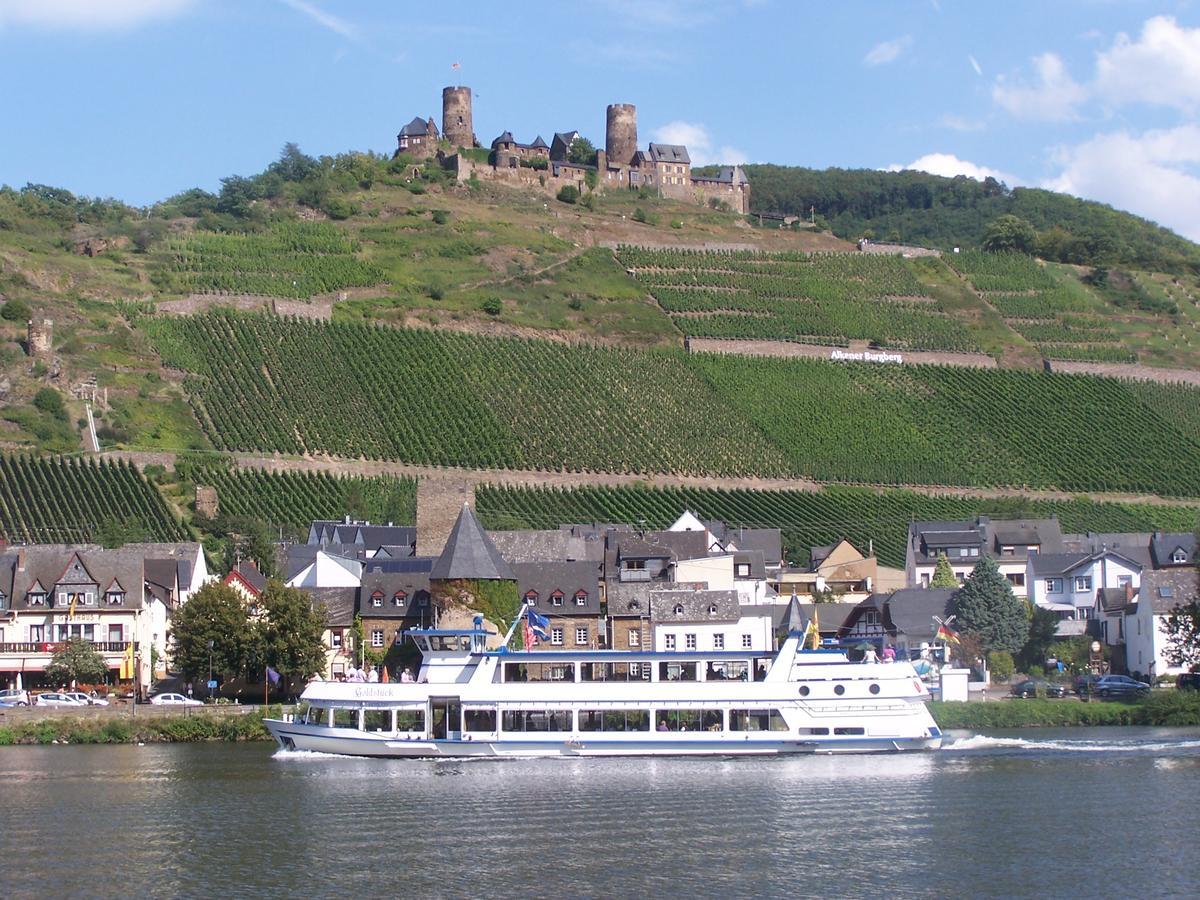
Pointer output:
x,y
870,656
406,676
372,675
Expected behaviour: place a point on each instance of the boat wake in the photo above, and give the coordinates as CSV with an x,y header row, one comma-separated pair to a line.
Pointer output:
x,y
307,754
1134,745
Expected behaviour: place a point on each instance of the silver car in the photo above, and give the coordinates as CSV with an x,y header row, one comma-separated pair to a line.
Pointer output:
x,y
56,699
87,699
13,697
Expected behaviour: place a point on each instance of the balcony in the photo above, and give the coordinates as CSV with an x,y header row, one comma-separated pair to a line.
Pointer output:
x,y
635,575
44,648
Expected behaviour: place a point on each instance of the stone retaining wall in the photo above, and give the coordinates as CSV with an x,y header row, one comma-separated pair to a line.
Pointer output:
x,y
792,350
1126,370
320,308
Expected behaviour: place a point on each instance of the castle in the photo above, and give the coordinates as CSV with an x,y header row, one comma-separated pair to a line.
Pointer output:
x,y
663,168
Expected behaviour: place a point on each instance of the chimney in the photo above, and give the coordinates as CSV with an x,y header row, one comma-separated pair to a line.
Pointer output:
x,y
21,559
346,519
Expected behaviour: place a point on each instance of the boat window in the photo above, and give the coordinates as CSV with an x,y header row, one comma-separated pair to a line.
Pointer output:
x,y
410,720
756,720
345,718
874,689
317,715
614,720
613,672
804,690
839,689
479,720
814,731
689,720
539,671
728,671
677,671
377,720
849,731
537,720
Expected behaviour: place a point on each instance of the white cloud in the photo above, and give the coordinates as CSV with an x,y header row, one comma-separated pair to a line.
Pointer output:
x,y
949,165
324,19
1152,174
975,64
961,123
87,15
1053,98
699,144
1162,67
887,51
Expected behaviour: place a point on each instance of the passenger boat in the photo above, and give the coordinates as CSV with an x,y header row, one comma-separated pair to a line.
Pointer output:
x,y
468,701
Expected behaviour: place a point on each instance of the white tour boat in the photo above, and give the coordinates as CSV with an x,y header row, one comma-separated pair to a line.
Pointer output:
x,y
470,701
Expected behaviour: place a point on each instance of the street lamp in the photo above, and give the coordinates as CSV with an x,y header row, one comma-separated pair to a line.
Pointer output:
x,y
210,678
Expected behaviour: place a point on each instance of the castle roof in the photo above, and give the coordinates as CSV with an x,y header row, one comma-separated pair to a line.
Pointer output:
x,y
539,144
733,175
505,138
674,153
418,127
470,553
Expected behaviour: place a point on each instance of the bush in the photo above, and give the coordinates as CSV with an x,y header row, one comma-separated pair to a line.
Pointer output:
x,y
639,215
440,216
568,194
16,310
492,306
1001,665
50,401
676,223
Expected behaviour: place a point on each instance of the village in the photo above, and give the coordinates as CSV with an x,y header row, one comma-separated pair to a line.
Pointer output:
x,y
697,585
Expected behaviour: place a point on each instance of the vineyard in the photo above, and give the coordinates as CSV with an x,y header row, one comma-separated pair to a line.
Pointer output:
x,y
294,499
443,398
822,298
265,384
1043,309
295,259
864,516
69,500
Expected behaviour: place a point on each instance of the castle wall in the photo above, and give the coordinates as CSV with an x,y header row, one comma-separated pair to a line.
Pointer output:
x,y
737,197
457,126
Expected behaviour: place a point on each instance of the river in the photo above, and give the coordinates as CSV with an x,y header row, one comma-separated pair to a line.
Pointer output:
x,y
1059,813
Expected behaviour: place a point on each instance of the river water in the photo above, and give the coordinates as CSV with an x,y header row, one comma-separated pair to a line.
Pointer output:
x,y
1071,813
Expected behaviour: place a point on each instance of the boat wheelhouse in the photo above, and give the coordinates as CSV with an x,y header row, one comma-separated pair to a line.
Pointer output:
x,y
471,701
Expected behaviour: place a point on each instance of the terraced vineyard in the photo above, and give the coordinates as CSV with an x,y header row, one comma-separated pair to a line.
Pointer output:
x,y
294,499
442,398
50,500
822,298
807,519
977,427
1058,315
297,259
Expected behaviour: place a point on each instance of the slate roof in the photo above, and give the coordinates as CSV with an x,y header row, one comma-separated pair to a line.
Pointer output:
x,y
672,153
1164,544
505,138
1166,589
1115,599
415,586
794,618
340,604
1134,545
470,553
1049,564
768,541
568,577
248,572
545,546
539,144
910,611
160,575
46,564
732,175
8,565
696,606
418,127
754,559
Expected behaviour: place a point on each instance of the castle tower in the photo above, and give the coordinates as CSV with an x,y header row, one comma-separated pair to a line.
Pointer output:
x,y
620,134
456,117
41,338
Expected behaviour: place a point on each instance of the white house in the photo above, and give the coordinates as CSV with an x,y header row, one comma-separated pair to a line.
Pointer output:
x,y
1068,583
708,620
1011,543
327,570
1145,640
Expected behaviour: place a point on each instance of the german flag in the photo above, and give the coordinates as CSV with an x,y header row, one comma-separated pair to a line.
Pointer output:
x,y
945,633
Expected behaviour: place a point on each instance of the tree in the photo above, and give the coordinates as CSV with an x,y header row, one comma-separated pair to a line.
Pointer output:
x,y
292,631
986,607
1043,632
214,615
1009,234
16,310
943,575
1182,632
77,660
582,152
569,194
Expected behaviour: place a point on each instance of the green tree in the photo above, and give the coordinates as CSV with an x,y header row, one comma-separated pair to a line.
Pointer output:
x,y
943,575
582,152
50,401
76,660
987,608
1043,632
216,616
1009,234
16,310
1182,630
569,194
292,631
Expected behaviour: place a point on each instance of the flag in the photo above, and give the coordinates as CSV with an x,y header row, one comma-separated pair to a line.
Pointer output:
x,y
71,608
537,623
811,636
815,625
383,676
944,633
527,634
127,662
272,676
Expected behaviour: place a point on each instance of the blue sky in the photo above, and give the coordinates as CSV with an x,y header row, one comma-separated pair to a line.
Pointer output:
x,y
139,99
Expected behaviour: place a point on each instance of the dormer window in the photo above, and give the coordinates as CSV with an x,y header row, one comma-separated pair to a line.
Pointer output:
x,y
1179,556
37,598
531,598
115,598
399,599
581,598
678,610
712,609
743,570
377,599
556,599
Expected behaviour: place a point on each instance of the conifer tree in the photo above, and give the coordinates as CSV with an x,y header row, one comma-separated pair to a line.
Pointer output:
x,y
943,575
987,608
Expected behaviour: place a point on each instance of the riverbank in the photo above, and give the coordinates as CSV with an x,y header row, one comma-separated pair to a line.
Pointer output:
x,y
190,727
1165,708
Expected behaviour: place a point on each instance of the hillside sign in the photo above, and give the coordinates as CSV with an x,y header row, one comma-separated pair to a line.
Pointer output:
x,y
866,356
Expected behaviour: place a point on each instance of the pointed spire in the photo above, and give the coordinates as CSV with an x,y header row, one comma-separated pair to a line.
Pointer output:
x,y
793,619
470,553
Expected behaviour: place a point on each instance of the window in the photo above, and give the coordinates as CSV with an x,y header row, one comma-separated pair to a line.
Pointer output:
x,y
747,642
669,641
743,570
1008,551
1124,581
1179,556
581,636
335,639
1016,579
556,599
974,551
116,634
718,642
377,599
537,720
115,598
556,636
635,637
530,598
689,642
377,637
614,720
689,720
678,610
756,720
37,599
581,598
399,599
1083,582
37,633
962,551
479,720
1053,585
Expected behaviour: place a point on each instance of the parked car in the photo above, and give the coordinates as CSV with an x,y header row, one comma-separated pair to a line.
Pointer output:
x,y
1035,687
174,700
1120,686
56,698
1086,684
13,697
88,699
1187,681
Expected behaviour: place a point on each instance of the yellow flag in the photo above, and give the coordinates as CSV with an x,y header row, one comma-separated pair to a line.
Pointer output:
x,y
71,608
815,624
127,662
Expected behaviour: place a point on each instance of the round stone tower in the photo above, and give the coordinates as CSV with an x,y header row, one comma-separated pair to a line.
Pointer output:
x,y
41,338
620,134
456,117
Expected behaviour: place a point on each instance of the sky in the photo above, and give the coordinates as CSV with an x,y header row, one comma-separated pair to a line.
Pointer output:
x,y
141,99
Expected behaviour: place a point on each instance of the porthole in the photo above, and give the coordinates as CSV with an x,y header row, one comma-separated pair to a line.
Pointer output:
x,y
804,690
839,689
874,689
